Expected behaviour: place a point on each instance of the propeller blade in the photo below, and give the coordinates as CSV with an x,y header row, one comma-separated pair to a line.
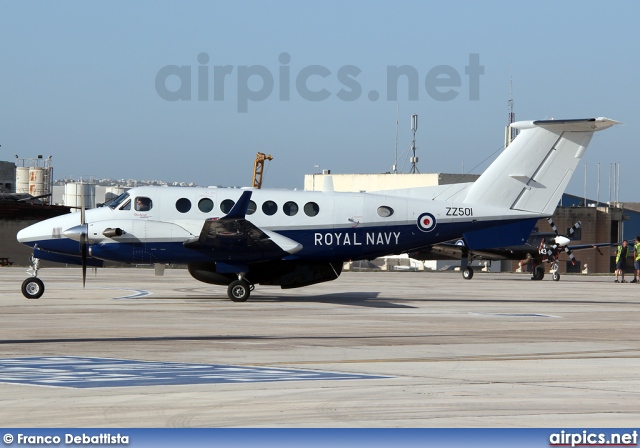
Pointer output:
x,y
573,229
83,248
553,226
84,237
573,258
82,206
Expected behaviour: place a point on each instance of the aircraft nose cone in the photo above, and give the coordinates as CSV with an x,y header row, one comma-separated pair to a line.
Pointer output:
x,y
77,233
23,235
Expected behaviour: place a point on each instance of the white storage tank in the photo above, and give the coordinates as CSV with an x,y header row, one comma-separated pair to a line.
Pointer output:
x,y
74,191
22,179
36,181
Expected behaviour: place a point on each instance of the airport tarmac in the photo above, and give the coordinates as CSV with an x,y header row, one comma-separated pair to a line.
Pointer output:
x,y
392,349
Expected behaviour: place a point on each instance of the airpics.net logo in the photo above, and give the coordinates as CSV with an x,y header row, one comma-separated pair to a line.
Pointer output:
x,y
252,83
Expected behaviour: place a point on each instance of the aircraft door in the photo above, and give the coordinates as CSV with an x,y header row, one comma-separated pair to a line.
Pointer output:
x,y
139,249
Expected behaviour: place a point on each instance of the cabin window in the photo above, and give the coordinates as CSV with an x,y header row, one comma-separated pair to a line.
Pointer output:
x,y
252,208
290,208
143,204
183,205
269,208
226,205
311,209
127,205
384,211
205,205
119,200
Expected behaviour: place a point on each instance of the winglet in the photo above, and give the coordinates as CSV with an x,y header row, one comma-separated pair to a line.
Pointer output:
x,y
240,209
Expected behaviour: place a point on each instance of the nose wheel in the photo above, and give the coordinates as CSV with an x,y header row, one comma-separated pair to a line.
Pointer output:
x,y
554,271
33,287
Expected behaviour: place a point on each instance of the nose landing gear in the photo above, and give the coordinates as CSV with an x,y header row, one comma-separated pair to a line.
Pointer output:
x,y
33,287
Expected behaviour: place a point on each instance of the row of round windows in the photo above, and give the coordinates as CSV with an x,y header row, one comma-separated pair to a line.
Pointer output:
x,y
269,208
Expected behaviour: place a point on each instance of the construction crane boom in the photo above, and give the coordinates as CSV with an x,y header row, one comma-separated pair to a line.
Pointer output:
x,y
258,168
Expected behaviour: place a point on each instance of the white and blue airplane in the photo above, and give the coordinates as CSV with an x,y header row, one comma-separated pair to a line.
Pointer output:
x,y
244,237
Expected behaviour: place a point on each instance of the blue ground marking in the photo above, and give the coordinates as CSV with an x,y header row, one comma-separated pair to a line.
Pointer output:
x,y
80,372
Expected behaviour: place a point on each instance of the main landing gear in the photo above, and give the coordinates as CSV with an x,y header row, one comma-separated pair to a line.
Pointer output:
x,y
239,290
538,273
33,287
467,271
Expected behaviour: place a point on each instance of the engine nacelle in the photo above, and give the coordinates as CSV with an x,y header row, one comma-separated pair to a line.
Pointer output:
x,y
206,273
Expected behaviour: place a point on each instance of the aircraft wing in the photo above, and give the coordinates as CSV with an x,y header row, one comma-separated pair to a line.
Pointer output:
x,y
451,251
591,246
234,238
442,251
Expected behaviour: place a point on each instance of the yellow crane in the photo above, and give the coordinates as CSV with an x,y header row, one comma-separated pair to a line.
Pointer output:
x,y
258,168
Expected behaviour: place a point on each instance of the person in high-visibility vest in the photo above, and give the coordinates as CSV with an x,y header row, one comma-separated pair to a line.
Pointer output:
x,y
621,260
636,261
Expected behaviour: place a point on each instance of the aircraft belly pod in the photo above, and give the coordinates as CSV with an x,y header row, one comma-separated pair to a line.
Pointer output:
x,y
244,237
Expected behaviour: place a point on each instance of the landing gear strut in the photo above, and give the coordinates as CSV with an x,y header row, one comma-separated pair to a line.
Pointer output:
x,y
33,287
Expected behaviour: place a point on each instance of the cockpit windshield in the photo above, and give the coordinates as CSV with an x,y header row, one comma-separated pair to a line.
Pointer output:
x,y
119,200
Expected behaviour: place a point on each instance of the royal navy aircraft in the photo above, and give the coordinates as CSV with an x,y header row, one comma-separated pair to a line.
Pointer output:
x,y
243,237
540,248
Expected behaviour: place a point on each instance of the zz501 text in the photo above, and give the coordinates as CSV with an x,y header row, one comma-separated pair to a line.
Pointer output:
x,y
459,211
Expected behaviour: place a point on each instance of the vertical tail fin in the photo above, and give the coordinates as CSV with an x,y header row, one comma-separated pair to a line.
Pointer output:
x,y
532,173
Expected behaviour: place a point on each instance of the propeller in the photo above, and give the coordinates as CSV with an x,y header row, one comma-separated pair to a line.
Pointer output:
x,y
80,233
563,241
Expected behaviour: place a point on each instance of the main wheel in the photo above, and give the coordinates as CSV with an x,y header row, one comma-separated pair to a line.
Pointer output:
x,y
32,288
239,290
467,273
538,273
556,277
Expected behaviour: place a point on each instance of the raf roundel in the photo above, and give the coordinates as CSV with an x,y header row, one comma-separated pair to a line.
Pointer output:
x,y
426,222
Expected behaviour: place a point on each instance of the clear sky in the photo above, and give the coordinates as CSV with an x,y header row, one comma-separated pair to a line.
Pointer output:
x,y
190,91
